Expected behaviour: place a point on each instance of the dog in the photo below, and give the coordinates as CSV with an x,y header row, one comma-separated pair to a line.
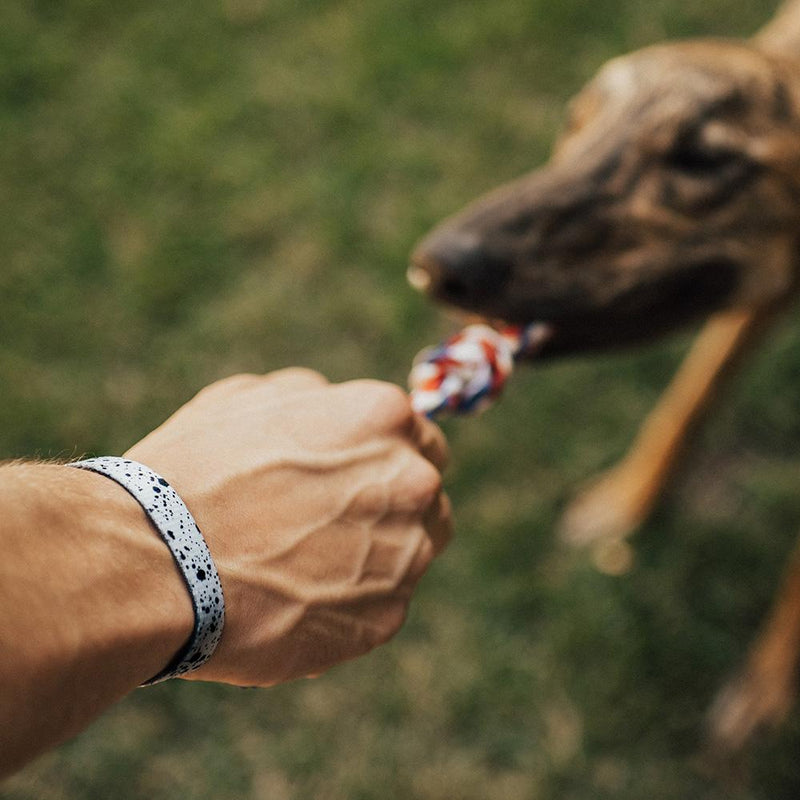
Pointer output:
x,y
672,196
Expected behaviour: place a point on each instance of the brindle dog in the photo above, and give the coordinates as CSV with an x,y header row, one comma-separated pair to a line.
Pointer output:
x,y
672,195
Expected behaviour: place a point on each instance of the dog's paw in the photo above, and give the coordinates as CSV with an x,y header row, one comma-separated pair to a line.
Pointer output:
x,y
607,510
754,702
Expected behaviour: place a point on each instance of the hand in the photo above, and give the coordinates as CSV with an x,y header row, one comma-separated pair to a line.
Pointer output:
x,y
322,507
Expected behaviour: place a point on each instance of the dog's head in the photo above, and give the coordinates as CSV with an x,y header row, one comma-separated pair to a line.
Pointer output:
x,y
673,192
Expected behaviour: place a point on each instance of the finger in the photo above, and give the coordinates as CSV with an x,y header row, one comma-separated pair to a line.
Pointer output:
x,y
438,522
438,531
430,441
378,406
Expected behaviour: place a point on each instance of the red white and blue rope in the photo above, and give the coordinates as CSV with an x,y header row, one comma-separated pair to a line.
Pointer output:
x,y
467,372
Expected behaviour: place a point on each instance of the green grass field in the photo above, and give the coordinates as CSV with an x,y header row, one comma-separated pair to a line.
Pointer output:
x,y
193,189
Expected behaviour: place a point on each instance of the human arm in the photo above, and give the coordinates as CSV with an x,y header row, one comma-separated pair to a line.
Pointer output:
x,y
89,604
321,505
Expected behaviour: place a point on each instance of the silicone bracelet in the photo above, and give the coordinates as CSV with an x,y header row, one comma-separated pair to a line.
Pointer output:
x,y
176,526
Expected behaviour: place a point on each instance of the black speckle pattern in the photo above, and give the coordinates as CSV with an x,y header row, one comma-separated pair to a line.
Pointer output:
x,y
180,533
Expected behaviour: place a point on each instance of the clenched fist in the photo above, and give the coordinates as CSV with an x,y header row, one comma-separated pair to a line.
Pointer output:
x,y
321,505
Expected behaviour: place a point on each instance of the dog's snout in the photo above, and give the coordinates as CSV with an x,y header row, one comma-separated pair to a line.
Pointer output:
x,y
458,268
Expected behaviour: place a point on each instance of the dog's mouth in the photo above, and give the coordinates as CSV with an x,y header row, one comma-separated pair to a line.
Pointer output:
x,y
536,335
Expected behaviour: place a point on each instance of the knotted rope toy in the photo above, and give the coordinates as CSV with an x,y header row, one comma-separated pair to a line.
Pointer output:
x,y
468,371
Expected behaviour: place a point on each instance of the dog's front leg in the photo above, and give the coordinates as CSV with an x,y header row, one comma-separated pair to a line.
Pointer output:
x,y
616,503
764,691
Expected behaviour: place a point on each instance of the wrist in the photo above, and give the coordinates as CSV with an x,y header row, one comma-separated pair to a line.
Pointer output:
x,y
150,610
176,527
115,586
98,604
147,611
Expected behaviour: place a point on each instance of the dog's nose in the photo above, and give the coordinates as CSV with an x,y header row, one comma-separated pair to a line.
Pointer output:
x,y
458,268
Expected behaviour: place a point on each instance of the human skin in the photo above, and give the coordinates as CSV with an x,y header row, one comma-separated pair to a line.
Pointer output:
x,y
322,506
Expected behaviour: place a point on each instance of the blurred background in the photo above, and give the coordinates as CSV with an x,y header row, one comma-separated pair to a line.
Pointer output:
x,y
191,189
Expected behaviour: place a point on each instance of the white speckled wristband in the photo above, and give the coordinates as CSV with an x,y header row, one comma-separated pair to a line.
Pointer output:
x,y
180,533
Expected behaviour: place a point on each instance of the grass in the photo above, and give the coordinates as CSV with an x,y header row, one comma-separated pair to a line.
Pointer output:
x,y
193,189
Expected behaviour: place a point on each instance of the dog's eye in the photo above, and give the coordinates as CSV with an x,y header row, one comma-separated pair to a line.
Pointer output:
x,y
695,158
699,176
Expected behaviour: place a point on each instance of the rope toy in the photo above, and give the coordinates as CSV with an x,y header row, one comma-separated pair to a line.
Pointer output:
x,y
464,374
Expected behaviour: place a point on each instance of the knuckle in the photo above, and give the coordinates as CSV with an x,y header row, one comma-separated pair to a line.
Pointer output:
x,y
445,522
416,490
396,619
385,401
426,552
298,374
241,379
425,482
228,384
440,443
390,622
293,379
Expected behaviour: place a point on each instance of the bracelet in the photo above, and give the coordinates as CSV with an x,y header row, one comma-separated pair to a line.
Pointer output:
x,y
176,526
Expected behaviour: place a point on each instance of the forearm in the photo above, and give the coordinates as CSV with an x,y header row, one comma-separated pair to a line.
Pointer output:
x,y
91,604
321,505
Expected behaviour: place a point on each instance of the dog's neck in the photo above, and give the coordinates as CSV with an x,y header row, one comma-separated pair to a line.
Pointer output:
x,y
781,35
